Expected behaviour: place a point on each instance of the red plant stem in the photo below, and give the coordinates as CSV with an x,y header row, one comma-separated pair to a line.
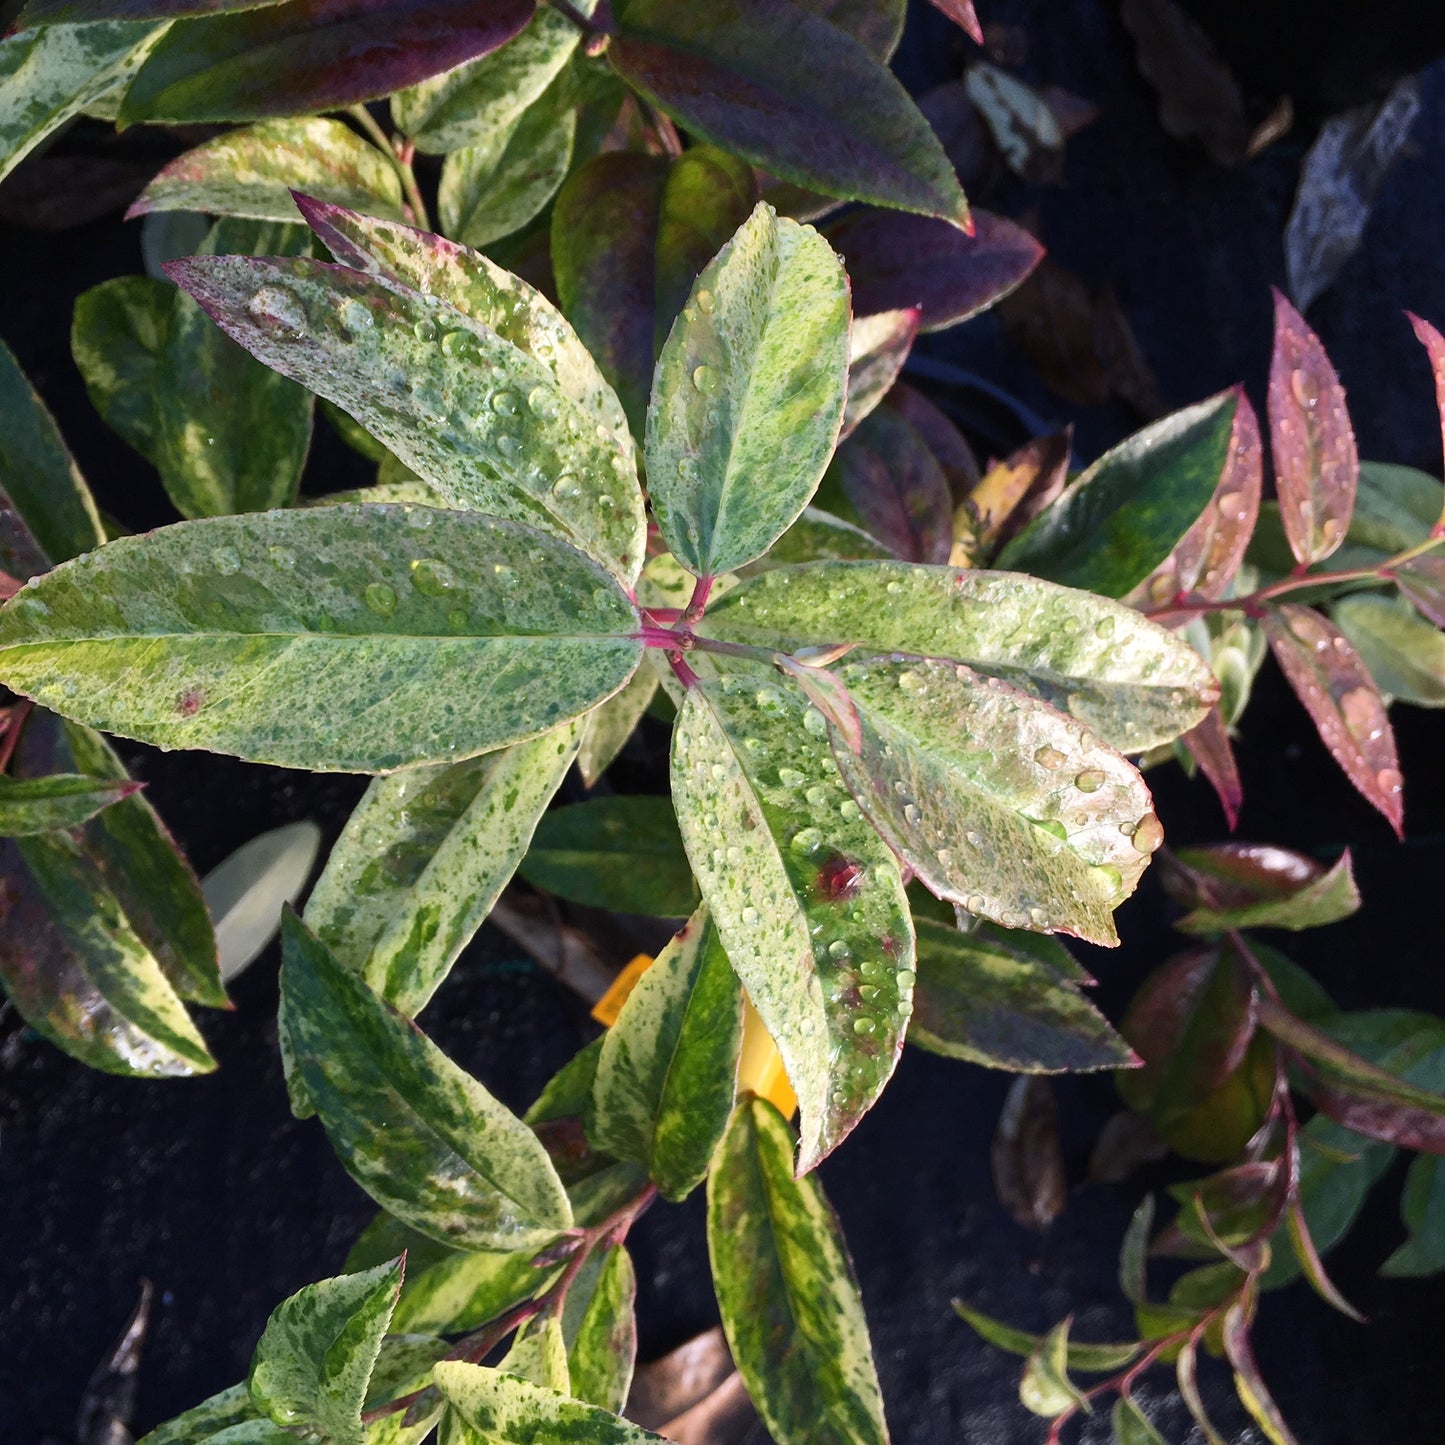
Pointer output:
x,y
697,603
15,720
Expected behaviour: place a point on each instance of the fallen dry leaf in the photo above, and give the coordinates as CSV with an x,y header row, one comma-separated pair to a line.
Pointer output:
x,y
693,1395
1028,1163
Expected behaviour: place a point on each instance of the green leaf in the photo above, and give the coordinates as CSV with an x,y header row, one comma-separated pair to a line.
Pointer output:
x,y
1401,651
984,997
478,288
1132,682
50,75
619,853
786,1289
609,726
1134,1253
1327,898
509,1411
60,800
749,395
482,422
727,72
315,1357
403,1367
38,476
668,1068
1131,1425
252,172
995,801
807,899
1045,1387
422,1137
1123,517
1422,1207
819,536
363,646
1097,1359
118,335
229,1418
600,1329
539,1354
424,857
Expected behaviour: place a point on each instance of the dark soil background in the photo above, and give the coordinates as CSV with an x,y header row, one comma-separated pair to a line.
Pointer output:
x,y
212,1191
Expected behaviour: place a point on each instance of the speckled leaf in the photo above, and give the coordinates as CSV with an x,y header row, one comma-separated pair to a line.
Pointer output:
x,y
1326,898
877,350
478,288
1127,512
599,1328
806,897
229,1418
982,998
538,1353
617,852
471,103
896,261
38,477
749,394
422,1137
995,801
366,650
485,424
403,1367
668,1068
50,75
841,124
786,1290
1343,701
61,800
877,25
608,727
50,12
118,334
309,55
1316,463
1132,682
1400,650
316,1354
819,536
508,1411
425,856
252,172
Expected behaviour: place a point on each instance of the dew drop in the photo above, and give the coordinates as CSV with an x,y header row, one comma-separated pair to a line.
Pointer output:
x,y
1038,918
1161,588
226,560
1305,388
566,487
706,379
1090,780
750,916
865,1025
1389,780
791,777
380,598
457,617
815,722
1053,827
912,814
419,518
705,302
807,841
283,557
1148,833
838,949
457,345
432,578
868,992
1104,627
542,401
1363,713
850,810
506,403
356,317
975,903
817,795
905,978
279,308
910,682
1049,757
425,329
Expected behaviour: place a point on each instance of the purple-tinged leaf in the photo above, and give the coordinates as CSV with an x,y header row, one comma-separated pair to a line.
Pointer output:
x,y
1236,875
878,348
897,261
1314,1269
1326,898
1185,1368
1237,1207
1423,582
1014,491
1210,747
1253,1393
825,690
877,25
1026,1157
950,450
962,13
80,12
309,55
57,801
728,72
1343,700
1434,344
1316,463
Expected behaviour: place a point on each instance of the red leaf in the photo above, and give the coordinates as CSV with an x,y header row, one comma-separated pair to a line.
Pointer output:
x,y
1235,875
1340,695
1434,345
896,261
1378,1117
950,450
962,13
1316,464
1209,746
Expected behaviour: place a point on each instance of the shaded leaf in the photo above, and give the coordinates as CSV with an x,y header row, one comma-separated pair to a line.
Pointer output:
x,y
963,14
1209,745
1342,700
750,386
1422,1207
877,349
668,1066
1187,1375
1096,1359
1023,127
808,903
418,1134
1402,652
309,55
950,449
50,12
599,1329
229,1418
619,853
877,25
608,727
786,1289
59,800
900,262
391,651
1316,463
1124,516
514,1412
1434,344
819,536
1011,494
108,1403
1026,1157
997,999
1314,1270
1131,1425
1133,1254
1250,1387
1045,1387
315,1357
1326,898
1227,876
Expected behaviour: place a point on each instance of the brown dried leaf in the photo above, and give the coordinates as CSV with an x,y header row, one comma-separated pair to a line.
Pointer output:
x,y
1011,494
693,1395
1028,1162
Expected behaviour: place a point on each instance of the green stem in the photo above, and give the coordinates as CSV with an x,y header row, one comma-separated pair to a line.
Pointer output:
x,y
401,157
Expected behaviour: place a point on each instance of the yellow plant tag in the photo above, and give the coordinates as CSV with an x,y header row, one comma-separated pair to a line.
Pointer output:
x,y
606,1009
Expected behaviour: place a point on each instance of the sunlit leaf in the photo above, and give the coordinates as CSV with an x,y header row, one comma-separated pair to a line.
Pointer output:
x,y
1012,493
1089,1358
819,536
538,1354
247,891
308,55
391,628
600,1331
877,350
58,801
786,1289
403,1367
897,261
510,1411
423,1138
809,902
1343,702
1327,897
749,395
841,124
1402,652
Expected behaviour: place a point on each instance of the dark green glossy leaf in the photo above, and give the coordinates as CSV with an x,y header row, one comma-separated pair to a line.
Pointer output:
x,y
315,1357
309,55
841,124
749,395
485,424
620,853
252,172
1134,683
1422,1207
424,1139
61,800
807,899
1091,1359
786,1289
504,1410
1131,1425
668,1068
424,857
38,476
982,997
599,1329
1325,898
1400,650
363,648
1123,517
